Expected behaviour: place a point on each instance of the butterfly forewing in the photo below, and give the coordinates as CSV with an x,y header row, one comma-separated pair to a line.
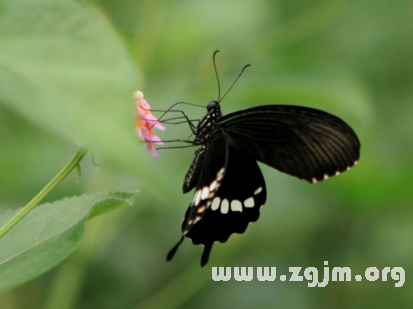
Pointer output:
x,y
192,176
303,142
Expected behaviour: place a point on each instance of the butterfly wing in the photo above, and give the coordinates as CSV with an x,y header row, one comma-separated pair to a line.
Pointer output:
x,y
235,204
205,174
213,165
300,141
229,194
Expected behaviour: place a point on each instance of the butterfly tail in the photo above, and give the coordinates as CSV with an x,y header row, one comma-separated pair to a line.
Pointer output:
x,y
206,253
174,249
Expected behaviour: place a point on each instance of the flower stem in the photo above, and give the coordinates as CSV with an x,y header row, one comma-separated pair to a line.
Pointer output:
x,y
73,163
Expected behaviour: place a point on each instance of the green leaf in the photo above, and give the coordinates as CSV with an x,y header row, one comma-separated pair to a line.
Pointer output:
x,y
64,68
47,235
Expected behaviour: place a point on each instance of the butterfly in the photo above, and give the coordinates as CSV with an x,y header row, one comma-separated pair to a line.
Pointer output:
x,y
230,189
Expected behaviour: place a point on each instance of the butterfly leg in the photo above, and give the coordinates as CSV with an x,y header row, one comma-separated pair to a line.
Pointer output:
x,y
191,125
169,120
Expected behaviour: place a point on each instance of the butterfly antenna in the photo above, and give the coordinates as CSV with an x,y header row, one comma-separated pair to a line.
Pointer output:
x,y
242,71
216,73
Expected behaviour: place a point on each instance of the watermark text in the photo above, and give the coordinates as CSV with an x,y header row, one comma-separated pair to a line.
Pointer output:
x,y
310,274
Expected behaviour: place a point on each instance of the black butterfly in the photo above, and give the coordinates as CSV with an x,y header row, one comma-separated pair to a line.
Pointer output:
x,y
229,187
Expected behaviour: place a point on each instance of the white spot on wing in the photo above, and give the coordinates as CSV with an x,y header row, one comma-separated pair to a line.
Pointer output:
x,y
249,202
197,219
213,185
215,203
197,197
220,174
201,209
337,173
258,191
224,206
325,177
314,180
205,193
236,205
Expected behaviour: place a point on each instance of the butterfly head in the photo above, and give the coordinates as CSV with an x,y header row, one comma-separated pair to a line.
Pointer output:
x,y
214,109
211,105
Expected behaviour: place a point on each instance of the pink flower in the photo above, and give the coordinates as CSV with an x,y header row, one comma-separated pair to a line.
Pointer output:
x,y
145,121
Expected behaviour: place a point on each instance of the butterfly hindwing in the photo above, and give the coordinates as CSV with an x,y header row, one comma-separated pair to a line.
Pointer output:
x,y
235,204
300,141
236,192
205,175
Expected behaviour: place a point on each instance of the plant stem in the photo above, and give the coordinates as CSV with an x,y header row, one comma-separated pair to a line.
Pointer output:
x,y
73,163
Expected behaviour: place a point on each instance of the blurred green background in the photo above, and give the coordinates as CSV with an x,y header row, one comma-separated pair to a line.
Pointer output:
x,y
68,70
